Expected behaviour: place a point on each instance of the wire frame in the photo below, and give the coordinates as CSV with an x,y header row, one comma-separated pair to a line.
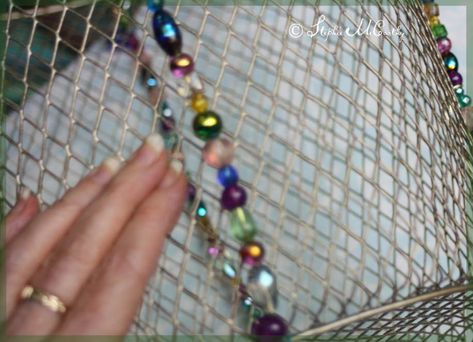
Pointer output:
x,y
352,149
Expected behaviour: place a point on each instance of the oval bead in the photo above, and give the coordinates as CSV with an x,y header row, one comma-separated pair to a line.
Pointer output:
x,y
262,287
218,152
207,125
167,32
242,225
199,102
444,45
269,327
252,253
229,270
450,61
233,197
227,175
181,65
455,77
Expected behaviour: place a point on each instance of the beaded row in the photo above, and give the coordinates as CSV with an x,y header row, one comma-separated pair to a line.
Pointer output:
x,y
218,153
444,45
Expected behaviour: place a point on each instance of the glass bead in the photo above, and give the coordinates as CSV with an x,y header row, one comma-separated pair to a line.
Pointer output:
x,y
215,250
434,21
207,125
450,61
195,83
167,124
218,152
269,327
233,197
227,175
201,210
242,225
439,31
229,270
262,287
431,10
181,65
167,32
148,78
154,5
459,91
464,100
247,302
171,141
252,253
191,192
444,45
455,77
199,102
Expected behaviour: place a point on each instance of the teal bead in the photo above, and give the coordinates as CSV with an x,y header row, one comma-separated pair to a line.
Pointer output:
x,y
439,31
201,209
154,5
451,62
459,91
170,141
464,100
207,125
242,225
229,270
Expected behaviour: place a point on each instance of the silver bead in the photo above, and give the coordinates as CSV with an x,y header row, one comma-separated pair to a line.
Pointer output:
x,y
262,287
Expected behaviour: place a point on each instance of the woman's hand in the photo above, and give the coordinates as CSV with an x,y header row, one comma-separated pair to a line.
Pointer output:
x,y
94,249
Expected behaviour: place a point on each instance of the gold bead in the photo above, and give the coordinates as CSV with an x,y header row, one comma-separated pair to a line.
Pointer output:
x,y
434,21
199,102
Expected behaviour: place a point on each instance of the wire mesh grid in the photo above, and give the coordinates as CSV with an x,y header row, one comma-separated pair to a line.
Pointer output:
x,y
352,150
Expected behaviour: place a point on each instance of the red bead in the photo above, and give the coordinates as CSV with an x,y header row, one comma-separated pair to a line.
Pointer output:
x,y
181,65
252,253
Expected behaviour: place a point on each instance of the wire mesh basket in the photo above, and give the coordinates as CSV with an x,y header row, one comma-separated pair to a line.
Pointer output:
x,y
352,149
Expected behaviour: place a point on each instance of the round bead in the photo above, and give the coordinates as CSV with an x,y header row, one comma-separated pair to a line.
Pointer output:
x,y
444,45
181,65
215,250
459,91
439,31
207,125
167,124
465,101
199,102
455,77
242,225
269,327
450,61
154,5
218,152
167,32
201,210
252,253
262,286
434,21
233,197
227,175
431,10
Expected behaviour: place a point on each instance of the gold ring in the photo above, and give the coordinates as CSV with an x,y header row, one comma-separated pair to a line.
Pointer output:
x,y
50,301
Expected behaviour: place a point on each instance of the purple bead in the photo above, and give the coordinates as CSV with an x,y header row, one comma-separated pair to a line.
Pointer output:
x,y
191,191
455,77
233,197
444,45
215,251
167,124
269,326
181,65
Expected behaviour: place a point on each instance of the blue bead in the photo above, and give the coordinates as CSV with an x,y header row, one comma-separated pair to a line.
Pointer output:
x,y
154,5
227,175
167,32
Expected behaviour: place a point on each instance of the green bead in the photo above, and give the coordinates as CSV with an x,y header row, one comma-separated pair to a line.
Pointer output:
x,y
439,31
464,100
242,225
207,125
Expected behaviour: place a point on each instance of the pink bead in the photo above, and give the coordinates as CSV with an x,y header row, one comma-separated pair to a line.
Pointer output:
x,y
181,65
218,152
215,250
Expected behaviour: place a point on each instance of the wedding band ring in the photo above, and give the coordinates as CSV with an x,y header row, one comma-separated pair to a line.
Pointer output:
x,y
50,301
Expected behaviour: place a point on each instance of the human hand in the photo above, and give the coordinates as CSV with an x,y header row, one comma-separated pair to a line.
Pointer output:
x,y
95,248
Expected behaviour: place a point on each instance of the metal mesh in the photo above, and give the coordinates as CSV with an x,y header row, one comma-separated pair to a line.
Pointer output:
x,y
352,150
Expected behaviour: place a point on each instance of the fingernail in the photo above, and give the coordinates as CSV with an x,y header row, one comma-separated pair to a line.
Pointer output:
x,y
25,193
107,170
151,149
176,167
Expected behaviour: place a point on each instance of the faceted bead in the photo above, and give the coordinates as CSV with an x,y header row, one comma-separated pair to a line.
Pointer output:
x,y
181,65
218,152
269,327
439,31
199,102
154,5
247,302
464,100
167,124
262,287
444,45
252,253
242,225
167,32
455,77
227,175
459,90
207,125
450,61
233,197
165,110
431,10
201,209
